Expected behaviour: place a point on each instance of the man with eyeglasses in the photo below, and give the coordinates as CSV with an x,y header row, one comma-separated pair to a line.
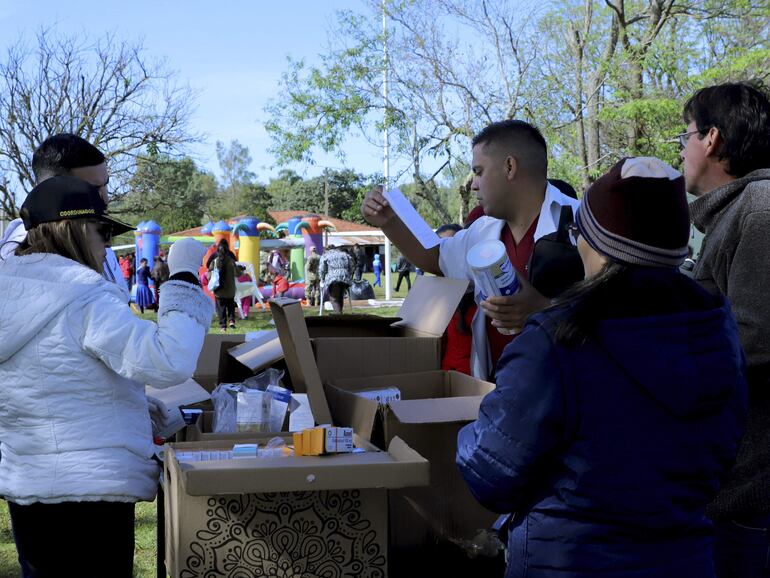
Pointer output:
x,y
69,155
726,158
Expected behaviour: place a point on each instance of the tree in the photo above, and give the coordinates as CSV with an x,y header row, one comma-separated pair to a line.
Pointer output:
x,y
173,192
104,90
601,79
239,193
345,190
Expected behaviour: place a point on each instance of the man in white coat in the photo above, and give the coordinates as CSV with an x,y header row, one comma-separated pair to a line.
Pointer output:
x,y
68,155
510,165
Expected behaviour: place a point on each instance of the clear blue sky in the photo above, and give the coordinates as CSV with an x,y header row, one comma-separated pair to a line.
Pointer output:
x,y
231,51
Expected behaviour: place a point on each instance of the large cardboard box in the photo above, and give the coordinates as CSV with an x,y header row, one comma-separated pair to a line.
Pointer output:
x,y
351,345
307,516
433,407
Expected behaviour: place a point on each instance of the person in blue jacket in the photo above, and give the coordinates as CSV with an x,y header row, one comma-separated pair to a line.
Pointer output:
x,y
377,268
618,410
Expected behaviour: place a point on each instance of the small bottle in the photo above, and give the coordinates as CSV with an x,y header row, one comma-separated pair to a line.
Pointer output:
x,y
493,272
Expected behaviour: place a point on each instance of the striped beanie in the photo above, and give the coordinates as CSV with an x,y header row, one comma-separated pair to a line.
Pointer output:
x,y
637,214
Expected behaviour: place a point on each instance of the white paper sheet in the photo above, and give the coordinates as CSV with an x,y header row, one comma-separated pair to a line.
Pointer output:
x,y
186,393
412,219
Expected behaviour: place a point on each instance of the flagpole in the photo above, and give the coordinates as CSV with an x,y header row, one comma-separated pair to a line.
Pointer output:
x,y
386,144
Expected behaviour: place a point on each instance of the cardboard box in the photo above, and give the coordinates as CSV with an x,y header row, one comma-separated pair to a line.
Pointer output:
x,y
433,407
351,345
292,516
213,356
368,345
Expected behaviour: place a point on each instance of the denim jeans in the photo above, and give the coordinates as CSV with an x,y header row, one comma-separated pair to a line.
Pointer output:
x,y
742,547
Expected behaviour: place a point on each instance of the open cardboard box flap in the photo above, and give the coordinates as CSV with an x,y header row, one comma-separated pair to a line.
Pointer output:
x,y
399,467
448,410
430,304
295,343
426,397
260,352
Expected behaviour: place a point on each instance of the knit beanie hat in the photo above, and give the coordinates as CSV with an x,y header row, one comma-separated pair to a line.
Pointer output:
x,y
637,213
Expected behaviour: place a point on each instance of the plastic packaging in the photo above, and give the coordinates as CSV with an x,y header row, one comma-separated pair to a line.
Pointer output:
x,y
257,405
493,273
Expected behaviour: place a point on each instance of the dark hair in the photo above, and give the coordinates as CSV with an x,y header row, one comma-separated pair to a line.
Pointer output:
x,y
449,227
586,299
741,113
61,153
564,187
143,260
520,137
223,250
622,291
465,304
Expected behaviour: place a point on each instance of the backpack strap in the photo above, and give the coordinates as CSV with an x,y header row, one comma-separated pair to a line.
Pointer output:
x,y
566,218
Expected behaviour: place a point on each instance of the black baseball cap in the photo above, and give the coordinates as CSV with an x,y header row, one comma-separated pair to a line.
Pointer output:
x,y
64,197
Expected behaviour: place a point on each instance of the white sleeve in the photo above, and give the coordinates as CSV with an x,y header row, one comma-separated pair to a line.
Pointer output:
x,y
452,251
14,234
163,354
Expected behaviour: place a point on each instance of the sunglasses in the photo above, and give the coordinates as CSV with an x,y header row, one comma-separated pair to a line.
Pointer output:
x,y
105,231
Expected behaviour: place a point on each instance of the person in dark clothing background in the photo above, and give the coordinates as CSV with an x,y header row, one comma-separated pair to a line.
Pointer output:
x,y
359,255
224,261
404,268
160,274
619,410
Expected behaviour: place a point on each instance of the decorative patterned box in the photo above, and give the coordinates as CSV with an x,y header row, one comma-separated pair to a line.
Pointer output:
x,y
292,517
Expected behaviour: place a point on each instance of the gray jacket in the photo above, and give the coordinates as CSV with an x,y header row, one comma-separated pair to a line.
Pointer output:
x,y
735,261
734,257
335,266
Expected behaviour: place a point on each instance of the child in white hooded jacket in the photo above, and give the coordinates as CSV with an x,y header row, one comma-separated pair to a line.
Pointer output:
x,y
75,432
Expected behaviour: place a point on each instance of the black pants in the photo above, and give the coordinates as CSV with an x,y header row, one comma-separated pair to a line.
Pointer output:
x,y
85,539
337,296
225,310
403,275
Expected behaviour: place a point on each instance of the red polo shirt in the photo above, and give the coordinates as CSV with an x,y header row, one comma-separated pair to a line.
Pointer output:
x,y
519,254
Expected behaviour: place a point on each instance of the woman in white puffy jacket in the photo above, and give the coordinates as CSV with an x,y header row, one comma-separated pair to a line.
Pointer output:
x,y
76,448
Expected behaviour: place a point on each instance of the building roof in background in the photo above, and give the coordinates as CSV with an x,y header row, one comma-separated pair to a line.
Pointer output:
x,y
281,217
340,224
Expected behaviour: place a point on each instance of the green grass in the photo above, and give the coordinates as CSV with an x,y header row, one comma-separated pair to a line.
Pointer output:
x,y
259,319
145,551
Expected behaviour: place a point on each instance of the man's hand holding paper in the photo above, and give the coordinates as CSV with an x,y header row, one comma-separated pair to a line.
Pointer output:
x,y
398,219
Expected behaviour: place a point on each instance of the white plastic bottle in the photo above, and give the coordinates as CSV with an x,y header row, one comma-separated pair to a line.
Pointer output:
x,y
493,272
